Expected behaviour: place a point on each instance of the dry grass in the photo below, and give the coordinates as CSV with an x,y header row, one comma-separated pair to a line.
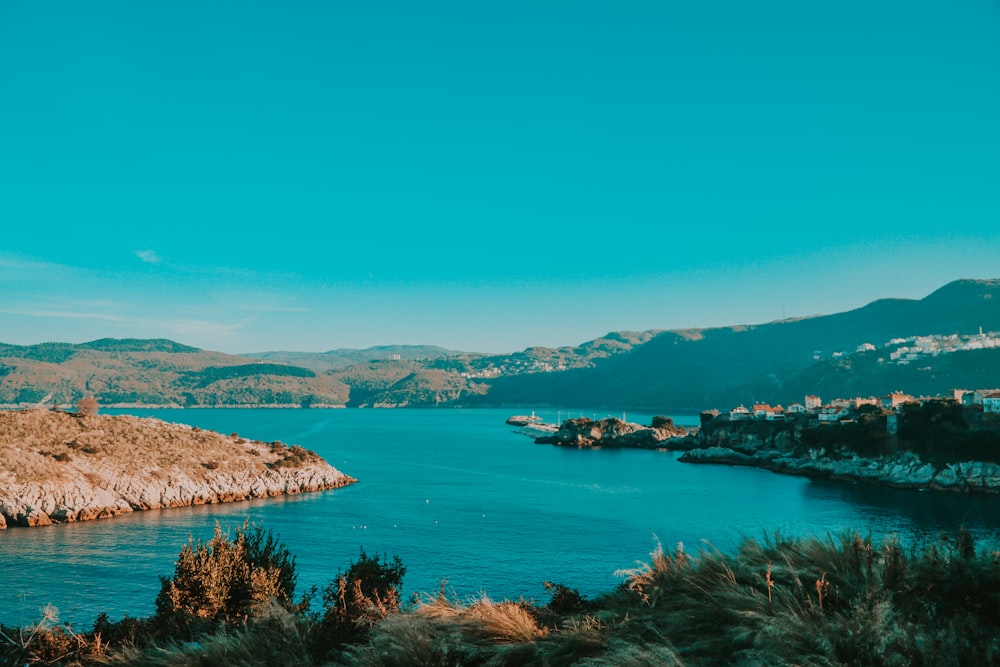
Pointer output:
x,y
839,600
43,445
439,631
484,619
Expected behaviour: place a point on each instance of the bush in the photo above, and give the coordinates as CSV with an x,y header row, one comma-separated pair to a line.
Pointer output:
x,y
369,591
660,421
225,581
87,406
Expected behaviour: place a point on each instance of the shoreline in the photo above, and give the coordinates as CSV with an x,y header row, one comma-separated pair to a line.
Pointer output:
x,y
60,467
906,471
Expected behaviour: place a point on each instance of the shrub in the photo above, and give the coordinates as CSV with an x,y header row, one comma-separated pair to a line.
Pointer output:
x,y
565,600
369,591
225,581
48,642
660,421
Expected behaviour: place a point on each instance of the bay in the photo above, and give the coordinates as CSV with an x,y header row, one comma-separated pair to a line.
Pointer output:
x,y
468,504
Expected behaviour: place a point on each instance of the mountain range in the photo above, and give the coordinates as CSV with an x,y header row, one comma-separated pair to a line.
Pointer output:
x,y
867,351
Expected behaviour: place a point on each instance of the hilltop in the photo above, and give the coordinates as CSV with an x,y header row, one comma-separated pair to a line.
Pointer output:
x,y
60,467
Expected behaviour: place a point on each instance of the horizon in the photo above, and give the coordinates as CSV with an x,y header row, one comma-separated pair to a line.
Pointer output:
x,y
463,351
246,178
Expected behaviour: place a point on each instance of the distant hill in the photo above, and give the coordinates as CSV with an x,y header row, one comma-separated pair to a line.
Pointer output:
x,y
696,369
454,379
344,357
154,372
664,371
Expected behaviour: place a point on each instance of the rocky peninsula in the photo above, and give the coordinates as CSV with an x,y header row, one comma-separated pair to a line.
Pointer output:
x,y
60,467
613,432
936,448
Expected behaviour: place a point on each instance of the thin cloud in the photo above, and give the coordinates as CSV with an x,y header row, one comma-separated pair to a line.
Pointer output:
x,y
64,314
16,267
148,256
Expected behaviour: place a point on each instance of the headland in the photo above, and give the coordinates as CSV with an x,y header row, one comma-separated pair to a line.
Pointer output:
x,y
61,467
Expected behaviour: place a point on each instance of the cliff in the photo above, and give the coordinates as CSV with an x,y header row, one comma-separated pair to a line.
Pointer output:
x,y
613,432
58,467
780,448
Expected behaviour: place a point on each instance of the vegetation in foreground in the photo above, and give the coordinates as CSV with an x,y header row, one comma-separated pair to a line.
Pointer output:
x,y
840,600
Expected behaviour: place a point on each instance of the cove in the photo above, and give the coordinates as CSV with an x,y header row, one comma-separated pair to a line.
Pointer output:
x,y
467,503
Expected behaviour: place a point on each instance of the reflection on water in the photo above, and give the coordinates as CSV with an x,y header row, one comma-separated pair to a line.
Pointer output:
x,y
921,514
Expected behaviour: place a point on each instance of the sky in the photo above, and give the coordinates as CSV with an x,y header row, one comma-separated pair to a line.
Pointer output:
x,y
485,176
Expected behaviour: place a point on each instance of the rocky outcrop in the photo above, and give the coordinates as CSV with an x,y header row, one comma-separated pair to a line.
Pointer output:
x,y
906,471
613,432
60,468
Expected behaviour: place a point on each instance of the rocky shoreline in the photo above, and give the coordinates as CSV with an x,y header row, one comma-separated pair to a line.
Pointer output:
x,y
905,471
613,432
62,467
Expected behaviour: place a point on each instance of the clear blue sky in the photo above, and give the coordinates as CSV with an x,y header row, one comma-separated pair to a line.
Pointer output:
x,y
248,176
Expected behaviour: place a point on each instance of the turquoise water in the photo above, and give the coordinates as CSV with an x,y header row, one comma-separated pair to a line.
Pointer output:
x,y
463,499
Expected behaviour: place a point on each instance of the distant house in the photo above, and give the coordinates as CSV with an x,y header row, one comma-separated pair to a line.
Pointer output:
x,y
813,403
991,402
739,413
865,347
795,409
974,397
895,399
858,402
765,412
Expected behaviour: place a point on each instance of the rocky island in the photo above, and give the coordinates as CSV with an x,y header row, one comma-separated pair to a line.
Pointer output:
x,y
613,432
60,467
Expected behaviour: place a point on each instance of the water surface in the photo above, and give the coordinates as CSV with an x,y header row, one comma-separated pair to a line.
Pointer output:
x,y
462,499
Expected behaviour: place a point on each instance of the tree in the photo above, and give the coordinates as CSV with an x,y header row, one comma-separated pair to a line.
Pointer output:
x,y
87,406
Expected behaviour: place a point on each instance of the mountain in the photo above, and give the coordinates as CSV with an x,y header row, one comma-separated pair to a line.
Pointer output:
x,y
343,357
867,351
696,369
154,372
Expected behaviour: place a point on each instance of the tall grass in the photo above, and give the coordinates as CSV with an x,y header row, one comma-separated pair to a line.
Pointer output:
x,y
836,600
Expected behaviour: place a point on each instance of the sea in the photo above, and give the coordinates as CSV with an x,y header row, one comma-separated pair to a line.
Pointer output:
x,y
470,505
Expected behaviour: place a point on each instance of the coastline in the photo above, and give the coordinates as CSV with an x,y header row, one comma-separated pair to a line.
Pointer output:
x,y
62,467
906,471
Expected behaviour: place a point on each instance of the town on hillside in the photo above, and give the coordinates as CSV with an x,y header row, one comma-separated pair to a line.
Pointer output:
x,y
842,410
903,351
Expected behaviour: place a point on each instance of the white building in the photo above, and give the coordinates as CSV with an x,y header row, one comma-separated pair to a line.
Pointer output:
x,y
739,413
